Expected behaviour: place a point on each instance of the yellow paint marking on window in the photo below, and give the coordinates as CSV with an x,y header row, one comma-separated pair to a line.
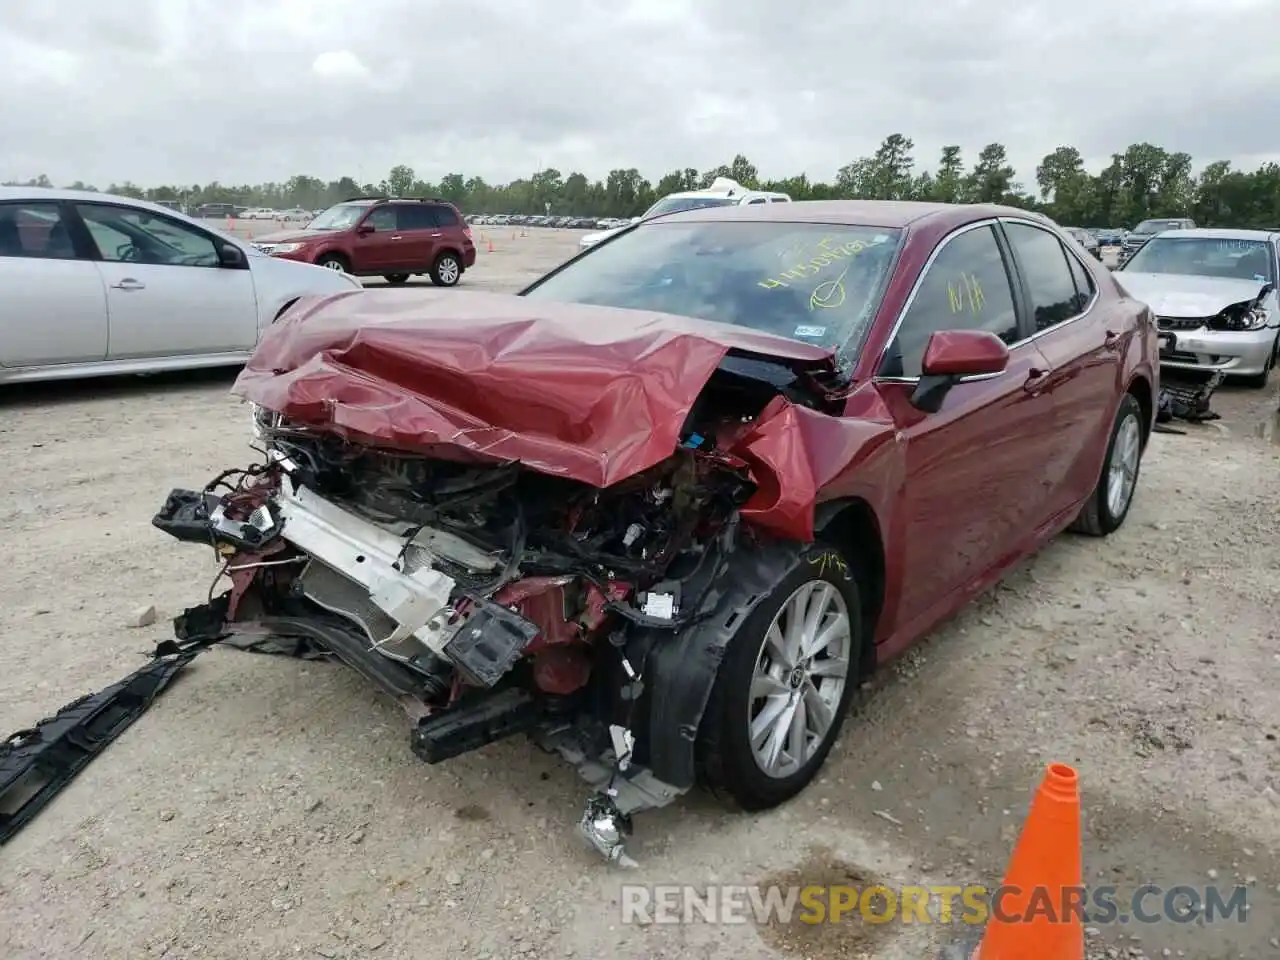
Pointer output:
x,y
825,253
829,294
965,292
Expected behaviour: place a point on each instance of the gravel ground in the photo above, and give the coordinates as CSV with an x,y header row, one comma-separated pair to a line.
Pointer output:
x,y
271,808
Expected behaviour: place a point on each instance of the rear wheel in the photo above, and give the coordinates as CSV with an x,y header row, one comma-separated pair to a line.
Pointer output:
x,y
334,261
1105,510
396,278
447,270
784,685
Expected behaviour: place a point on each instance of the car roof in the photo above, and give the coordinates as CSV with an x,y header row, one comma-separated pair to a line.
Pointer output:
x,y
1224,233
869,213
55,194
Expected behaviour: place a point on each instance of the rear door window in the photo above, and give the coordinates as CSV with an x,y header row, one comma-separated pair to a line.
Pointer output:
x,y
1044,263
34,229
414,216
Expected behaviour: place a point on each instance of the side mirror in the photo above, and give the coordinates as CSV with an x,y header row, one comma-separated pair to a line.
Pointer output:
x,y
952,355
231,256
364,229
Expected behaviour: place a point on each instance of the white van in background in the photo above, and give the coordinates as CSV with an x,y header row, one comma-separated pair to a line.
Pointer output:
x,y
723,192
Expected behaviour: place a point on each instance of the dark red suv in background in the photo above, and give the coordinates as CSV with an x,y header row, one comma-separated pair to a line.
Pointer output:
x,y
382,236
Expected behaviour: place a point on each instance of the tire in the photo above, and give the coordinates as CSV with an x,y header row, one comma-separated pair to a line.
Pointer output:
x,y
727,762
396,278
1100,516
447,270
334,261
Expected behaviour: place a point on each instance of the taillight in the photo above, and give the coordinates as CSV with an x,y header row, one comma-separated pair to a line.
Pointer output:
x,y
466,229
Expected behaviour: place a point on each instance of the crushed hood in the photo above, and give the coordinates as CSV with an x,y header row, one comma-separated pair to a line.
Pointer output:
x,y
593,394
1184,296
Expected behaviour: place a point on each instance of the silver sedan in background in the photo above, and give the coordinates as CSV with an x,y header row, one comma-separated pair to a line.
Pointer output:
x,y
1214,296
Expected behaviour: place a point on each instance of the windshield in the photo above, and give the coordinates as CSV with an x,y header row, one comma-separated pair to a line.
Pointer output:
x,y
1156,226
1205,257
820,283
339,217
680,204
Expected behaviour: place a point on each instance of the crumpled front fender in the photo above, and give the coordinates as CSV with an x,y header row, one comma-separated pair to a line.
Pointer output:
x,y
680,670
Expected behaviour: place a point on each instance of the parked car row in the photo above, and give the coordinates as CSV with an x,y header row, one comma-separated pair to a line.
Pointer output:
x,y
531,220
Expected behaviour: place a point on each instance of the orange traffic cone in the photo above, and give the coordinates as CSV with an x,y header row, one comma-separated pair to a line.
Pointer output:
x,y
490,250
1045,858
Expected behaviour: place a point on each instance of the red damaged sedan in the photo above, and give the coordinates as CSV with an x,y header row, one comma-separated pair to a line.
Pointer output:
x,y
664,508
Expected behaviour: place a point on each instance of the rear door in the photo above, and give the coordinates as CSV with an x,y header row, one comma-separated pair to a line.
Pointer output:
x,y
53,303
1084,349
167,292
419,232
973,468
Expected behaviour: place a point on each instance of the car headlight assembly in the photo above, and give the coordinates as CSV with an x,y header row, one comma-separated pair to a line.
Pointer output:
x,y
1241,319
286,247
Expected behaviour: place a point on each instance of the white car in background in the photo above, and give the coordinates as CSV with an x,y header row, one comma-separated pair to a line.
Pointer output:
x,y
723,192
93,284
1214,294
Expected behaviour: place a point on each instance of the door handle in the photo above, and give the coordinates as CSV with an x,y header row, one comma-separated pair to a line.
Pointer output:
x,y
1036,380
128,283
396,237
437,235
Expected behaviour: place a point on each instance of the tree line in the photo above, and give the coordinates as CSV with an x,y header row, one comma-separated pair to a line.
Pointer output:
x,y
1143,181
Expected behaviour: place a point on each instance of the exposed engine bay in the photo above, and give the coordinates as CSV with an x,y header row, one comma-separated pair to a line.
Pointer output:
x,y
491,599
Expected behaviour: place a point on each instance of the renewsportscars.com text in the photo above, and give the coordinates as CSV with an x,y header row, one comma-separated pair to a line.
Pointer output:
x,y
973,904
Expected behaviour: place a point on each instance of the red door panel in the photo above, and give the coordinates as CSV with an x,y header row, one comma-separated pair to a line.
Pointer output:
x,y
1084,345
975,477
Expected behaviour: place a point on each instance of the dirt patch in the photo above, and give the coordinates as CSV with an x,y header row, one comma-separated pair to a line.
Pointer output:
x,y
831,923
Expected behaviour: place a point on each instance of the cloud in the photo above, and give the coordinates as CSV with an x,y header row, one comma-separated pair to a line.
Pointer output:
x,y
182,91
340,65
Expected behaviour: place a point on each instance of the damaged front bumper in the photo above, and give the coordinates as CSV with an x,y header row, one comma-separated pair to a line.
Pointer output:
x,y
468,670
1235,353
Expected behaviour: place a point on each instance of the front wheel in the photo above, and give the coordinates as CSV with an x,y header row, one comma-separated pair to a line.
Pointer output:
x,y
446,271
333,261
1105,510
784,685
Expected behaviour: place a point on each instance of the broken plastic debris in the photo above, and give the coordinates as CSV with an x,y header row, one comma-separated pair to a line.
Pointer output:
x,y
606,828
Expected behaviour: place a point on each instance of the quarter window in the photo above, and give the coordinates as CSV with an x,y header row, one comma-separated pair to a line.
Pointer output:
x,y
445,216
966,288
129,235
1084,283
34,230
1046,265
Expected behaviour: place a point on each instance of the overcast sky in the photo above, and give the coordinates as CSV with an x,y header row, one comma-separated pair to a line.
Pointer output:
x,y
181,91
